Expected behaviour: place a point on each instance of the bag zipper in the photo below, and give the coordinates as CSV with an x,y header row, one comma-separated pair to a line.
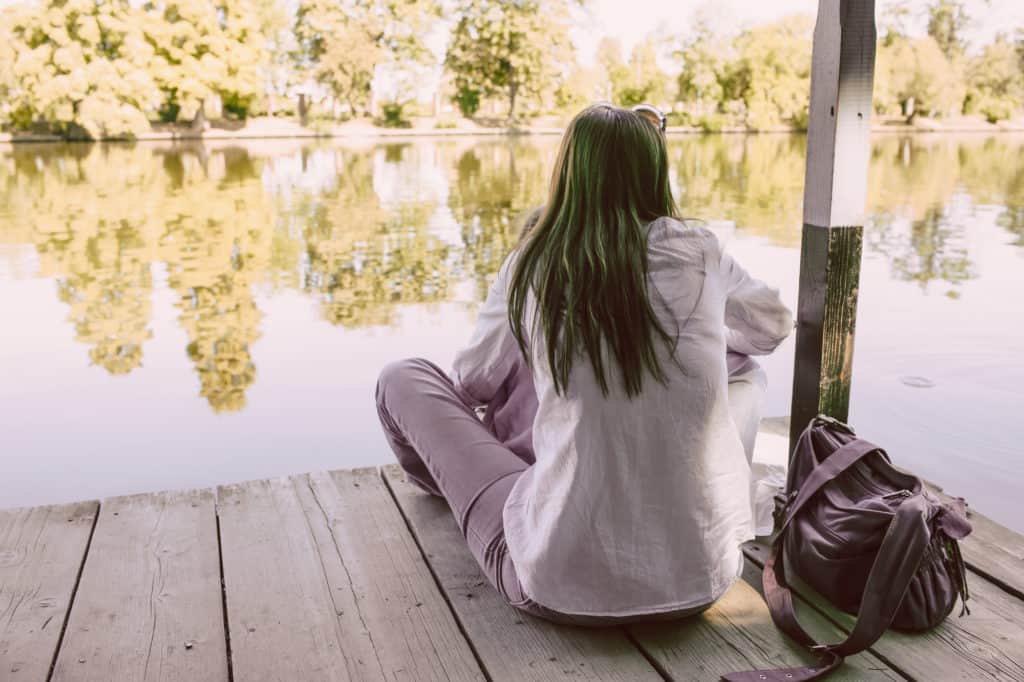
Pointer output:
x,y
898,493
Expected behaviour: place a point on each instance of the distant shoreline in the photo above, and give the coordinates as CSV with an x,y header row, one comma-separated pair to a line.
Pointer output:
x,y
266,128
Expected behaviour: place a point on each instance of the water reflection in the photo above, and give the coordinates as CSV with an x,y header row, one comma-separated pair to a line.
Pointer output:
x,y
364,231
496,184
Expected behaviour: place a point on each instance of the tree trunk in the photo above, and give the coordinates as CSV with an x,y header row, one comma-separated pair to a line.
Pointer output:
x,y
199,120
513,89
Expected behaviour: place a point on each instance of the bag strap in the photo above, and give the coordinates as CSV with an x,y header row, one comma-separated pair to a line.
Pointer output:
x,y
898,558
839,461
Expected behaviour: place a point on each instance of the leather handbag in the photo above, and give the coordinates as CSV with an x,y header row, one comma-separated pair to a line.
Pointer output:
x,y
869,537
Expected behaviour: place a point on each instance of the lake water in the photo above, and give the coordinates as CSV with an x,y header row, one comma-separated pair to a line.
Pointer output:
x,y
179,316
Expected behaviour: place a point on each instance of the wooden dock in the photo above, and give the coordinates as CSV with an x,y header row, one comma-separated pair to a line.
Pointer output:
x,y
357,575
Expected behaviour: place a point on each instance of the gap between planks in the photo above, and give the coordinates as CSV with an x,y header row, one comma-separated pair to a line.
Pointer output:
x,y
74,592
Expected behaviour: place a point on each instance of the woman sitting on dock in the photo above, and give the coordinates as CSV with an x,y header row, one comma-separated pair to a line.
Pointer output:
x,y
609,480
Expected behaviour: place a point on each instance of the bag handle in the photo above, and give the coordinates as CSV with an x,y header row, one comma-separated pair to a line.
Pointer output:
x,y
844,457
898,559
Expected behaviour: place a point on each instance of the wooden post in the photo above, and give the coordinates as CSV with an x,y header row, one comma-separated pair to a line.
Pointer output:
x,y
835,188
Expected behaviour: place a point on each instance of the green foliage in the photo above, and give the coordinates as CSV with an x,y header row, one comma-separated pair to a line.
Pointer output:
x,y
88,68
760,79
646,82
108,67
713,123
995,81
772,72
615,71
577,88
341,42
202,49
509,48
78,64
393,115
468,100
168,113
947,20
237,106
701,80
640,80
914,76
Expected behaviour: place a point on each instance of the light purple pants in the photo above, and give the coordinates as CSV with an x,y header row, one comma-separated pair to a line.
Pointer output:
x,y
447,450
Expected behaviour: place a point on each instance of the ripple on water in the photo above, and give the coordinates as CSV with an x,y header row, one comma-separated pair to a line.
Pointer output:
x,y
917,382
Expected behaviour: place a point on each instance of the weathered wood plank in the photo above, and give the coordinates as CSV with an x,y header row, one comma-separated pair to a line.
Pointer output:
x,y
41,554
986,645
993,551
148,605
321,583
414,632
737,633
511,645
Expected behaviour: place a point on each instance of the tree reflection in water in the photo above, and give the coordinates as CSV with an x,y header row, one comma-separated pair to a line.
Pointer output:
x,y
368,254
495,184
365,231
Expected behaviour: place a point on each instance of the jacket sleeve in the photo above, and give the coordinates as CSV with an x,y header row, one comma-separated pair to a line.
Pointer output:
x,y
489,358
756,319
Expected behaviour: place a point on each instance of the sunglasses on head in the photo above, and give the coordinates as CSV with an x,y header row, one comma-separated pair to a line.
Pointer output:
x,y
652,114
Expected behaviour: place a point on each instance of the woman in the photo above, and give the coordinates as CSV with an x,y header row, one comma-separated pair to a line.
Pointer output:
x,y
614,486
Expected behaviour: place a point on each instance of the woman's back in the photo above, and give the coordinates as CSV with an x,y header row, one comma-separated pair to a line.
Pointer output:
x,y
638,505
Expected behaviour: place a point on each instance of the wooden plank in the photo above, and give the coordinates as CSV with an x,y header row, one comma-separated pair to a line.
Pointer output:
x,y
41,554
737,633
414,632
986,645
835,189
992,550
322,583
148,605
996,553
510,644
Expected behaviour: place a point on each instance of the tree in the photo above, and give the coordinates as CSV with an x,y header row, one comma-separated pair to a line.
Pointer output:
x,y
578,88
995,82
204,49
772,72
947,20
639,80
84,67
700,80
895,17
341,42
913,75
509,48
616,73
646,81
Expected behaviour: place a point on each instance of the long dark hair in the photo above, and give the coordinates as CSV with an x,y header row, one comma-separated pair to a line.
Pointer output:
x,y
586,257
